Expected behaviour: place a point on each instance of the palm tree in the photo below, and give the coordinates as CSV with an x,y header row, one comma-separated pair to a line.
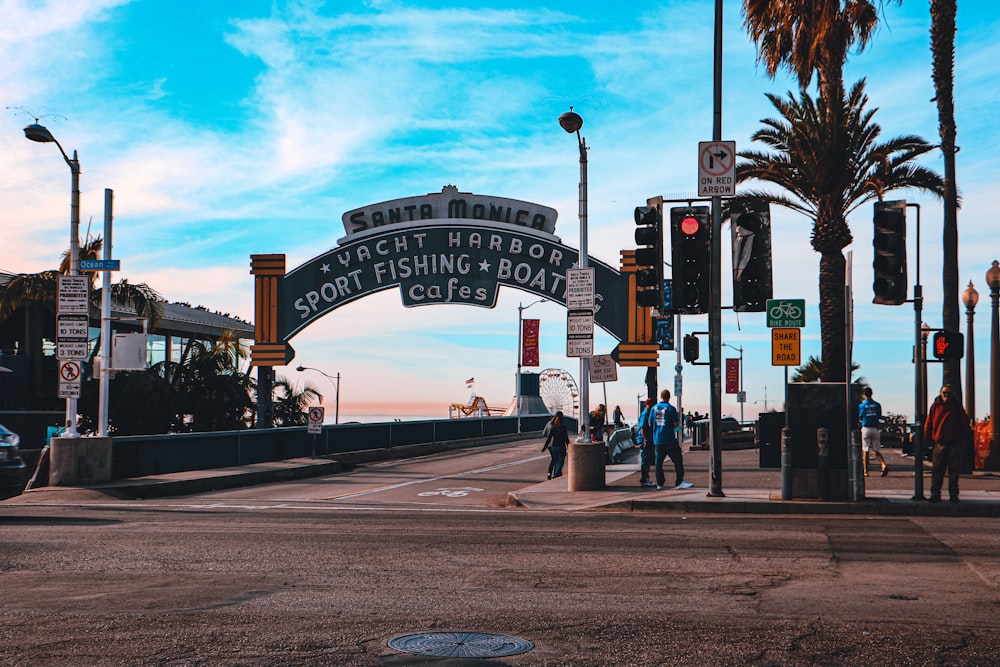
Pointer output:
x,y
943,49
807,36
812,371
35,295
829,162
291,405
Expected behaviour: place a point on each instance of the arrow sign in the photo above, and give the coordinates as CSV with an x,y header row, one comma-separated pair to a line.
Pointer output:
x,y
717,169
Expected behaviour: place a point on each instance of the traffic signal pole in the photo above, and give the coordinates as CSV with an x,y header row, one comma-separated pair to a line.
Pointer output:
x,y
714,298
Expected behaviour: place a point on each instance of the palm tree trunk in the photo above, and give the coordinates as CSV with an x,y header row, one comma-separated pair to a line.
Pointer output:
x,y
832,314
943,48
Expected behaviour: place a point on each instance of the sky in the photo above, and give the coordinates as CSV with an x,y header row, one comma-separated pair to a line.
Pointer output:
x,y
227,129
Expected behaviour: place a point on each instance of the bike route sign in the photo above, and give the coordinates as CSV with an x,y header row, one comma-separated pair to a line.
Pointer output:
x,y
786,313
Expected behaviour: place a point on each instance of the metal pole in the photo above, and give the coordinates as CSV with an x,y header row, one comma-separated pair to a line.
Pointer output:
x,y
970,354
74,268
517,380
714,300
994,456
336,414
105,391
678,378
583,263
918,370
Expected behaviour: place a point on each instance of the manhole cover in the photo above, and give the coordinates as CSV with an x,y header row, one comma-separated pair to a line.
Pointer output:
x,y
460,644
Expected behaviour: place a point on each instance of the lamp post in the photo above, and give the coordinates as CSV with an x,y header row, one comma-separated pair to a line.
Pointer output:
x,y
520,352
336,381
572,122
993,280
925,330
41,134
970,297
740,350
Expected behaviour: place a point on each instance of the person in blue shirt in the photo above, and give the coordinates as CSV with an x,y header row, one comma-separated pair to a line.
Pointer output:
x,y
664,420
644,438
870,418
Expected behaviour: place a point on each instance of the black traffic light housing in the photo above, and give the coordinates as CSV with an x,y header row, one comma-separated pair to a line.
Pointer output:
x,y
691,348
691,248
889,242
948,345
649,255
751,231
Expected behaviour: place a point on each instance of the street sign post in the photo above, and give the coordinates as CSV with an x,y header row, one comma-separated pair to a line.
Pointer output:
x,y
716,168
100,264
316,415
603,369
580,289
786,313
73,295
69,378
786,347
580,333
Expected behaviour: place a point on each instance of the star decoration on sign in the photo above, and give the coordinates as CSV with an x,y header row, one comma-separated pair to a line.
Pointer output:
x,y
484,266
325,268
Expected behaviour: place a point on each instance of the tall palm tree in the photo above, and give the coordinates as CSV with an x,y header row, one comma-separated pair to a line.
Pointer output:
x,y
806,37
943,49
291,405
829,162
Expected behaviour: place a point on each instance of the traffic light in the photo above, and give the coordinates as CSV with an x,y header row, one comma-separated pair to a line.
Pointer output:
x,y
890,253
649,257
751,225
691,348
948,345
691,247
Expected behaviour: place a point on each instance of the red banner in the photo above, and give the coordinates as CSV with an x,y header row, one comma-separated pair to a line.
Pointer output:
x,y
529,342
732,376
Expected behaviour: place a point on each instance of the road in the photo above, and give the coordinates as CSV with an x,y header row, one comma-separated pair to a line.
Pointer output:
x,y
327,571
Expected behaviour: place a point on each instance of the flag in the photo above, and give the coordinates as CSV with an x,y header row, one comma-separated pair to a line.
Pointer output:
x,y
470,382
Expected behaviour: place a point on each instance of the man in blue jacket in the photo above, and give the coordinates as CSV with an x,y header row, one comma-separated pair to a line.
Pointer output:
x,y
665,422
644,437
870,417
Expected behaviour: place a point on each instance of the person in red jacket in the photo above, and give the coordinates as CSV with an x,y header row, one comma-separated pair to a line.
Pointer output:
x,y
946,428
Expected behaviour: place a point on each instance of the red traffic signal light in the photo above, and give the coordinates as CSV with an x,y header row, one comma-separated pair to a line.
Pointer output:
x,y
948,345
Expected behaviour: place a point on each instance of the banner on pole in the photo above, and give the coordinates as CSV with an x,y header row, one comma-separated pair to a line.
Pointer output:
x,y
529,344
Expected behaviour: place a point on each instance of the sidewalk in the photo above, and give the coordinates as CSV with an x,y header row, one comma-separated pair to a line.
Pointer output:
x,y
749,489
746,488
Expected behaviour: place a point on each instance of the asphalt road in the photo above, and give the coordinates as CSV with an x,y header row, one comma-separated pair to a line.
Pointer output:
x,y
327,571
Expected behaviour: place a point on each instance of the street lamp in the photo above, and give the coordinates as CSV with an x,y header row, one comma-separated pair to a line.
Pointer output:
x,y
336,381
970,297
520,352
742,395
993,280
41,134
572,122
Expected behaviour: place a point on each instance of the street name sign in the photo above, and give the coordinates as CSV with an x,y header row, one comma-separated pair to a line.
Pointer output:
x,y
100,264
716,168
786,313
786,347
603,368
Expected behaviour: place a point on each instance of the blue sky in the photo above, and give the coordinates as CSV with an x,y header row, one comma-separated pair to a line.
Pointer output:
x,y
227,129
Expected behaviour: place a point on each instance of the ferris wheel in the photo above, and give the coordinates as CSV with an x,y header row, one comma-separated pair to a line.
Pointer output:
x,y
558,391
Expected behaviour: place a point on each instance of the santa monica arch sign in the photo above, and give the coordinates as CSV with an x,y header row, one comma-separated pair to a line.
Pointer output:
x,y
449,247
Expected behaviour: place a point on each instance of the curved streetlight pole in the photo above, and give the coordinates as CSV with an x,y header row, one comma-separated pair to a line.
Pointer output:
x,y
572,122
520,352
336,381
41,134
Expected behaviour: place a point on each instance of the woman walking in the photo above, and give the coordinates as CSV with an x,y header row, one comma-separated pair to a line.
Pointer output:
x,y
556,441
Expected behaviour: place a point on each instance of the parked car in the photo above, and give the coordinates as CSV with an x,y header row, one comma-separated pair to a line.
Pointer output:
x,y
732,434
12,466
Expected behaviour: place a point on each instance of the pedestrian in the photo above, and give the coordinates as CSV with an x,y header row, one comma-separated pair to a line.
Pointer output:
x,y
870,418
556,441
665,422
618,417
598,418
946,428
644,438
